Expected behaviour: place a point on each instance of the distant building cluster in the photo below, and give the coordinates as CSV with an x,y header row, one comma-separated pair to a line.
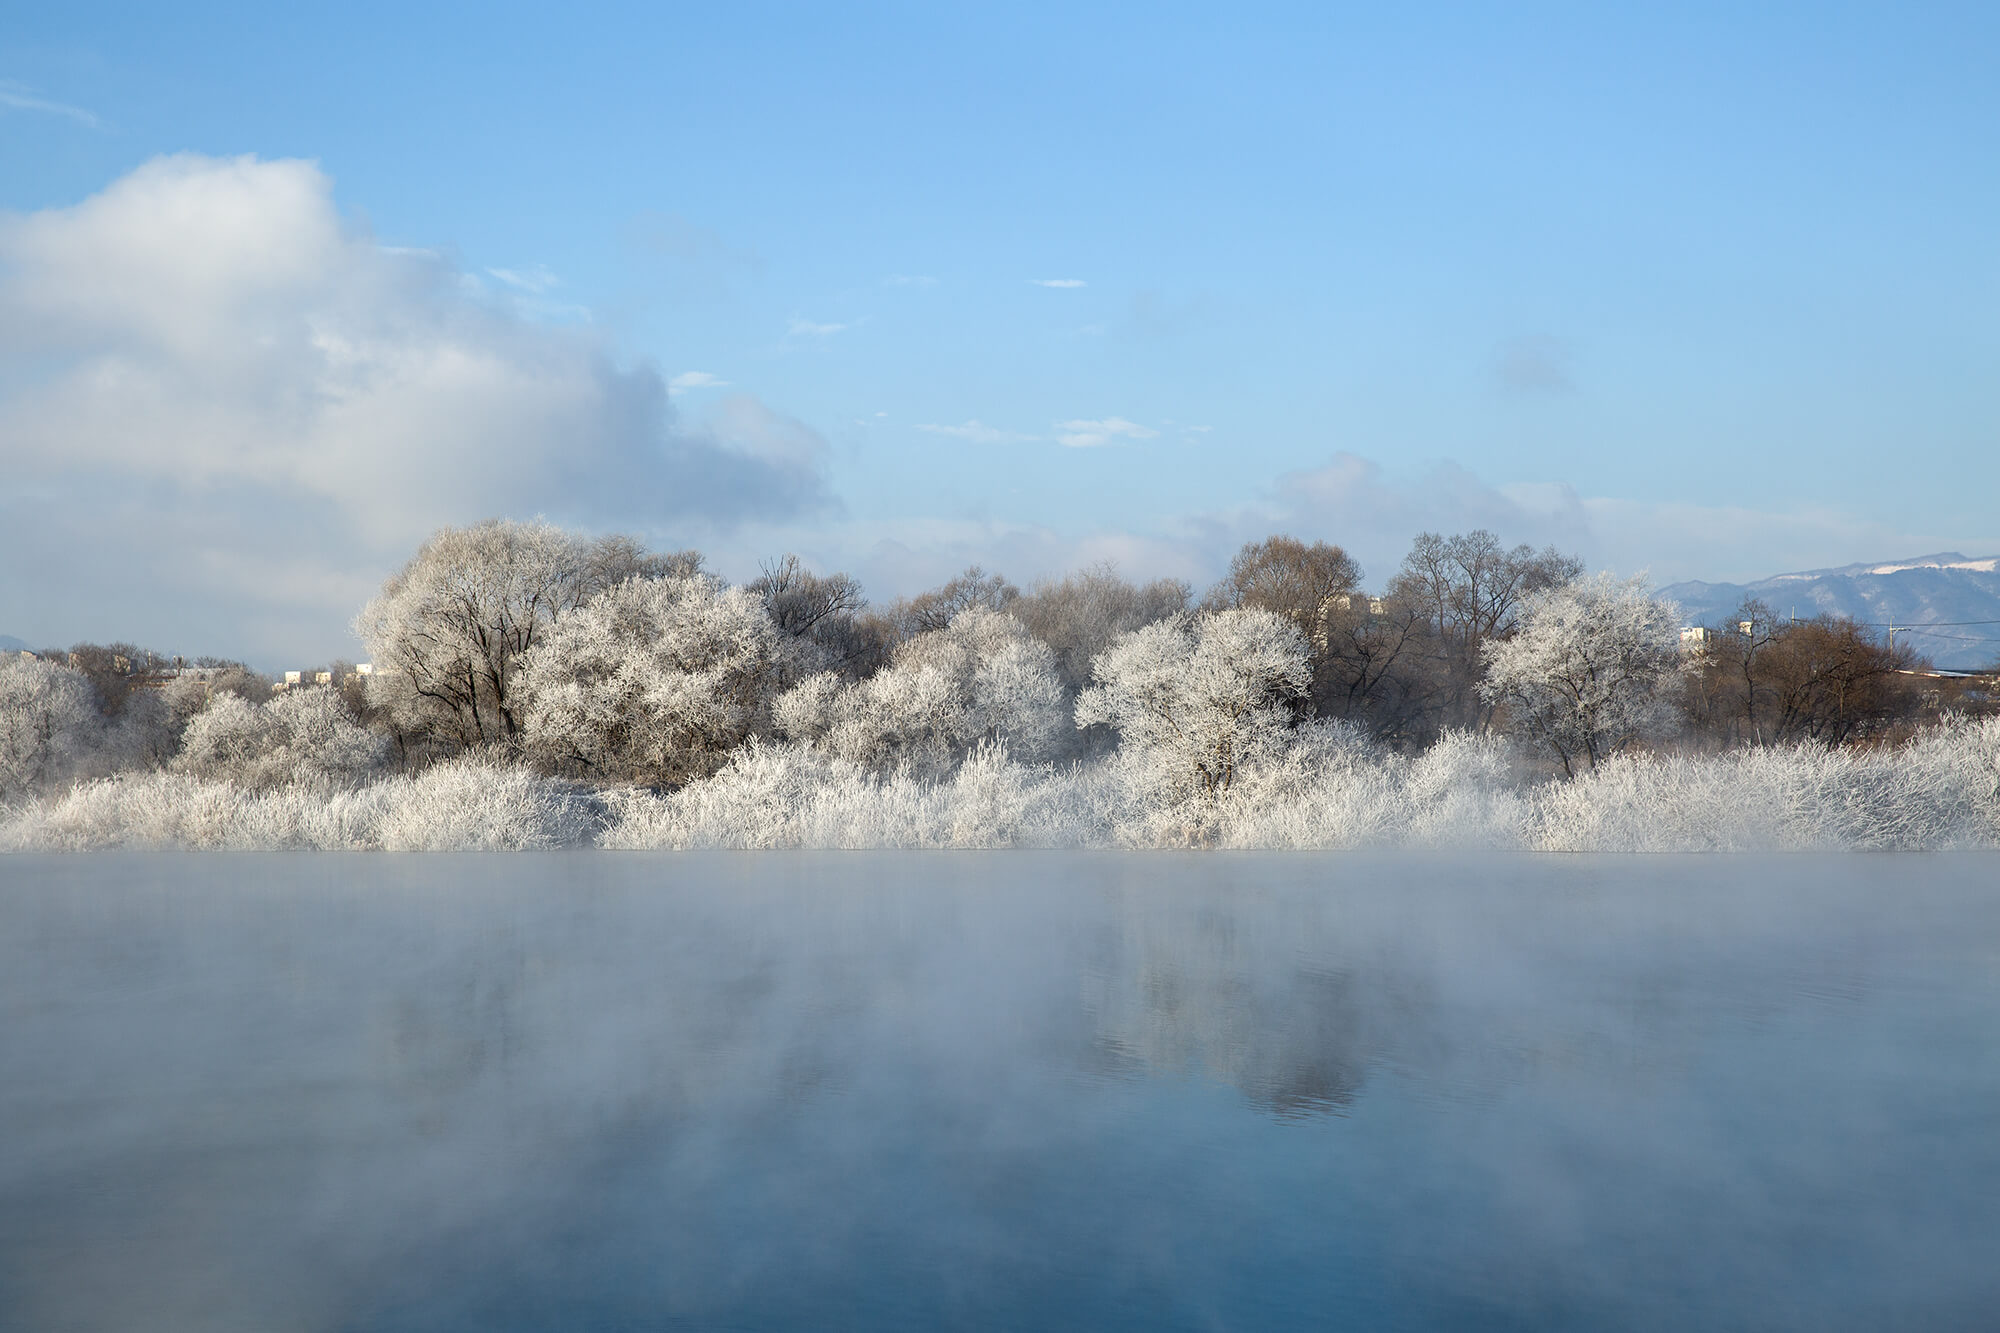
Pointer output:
x,y
308,679
147,672
150,671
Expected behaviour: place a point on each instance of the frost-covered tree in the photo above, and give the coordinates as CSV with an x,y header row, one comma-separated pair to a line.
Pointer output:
x,y
50,727
1590,669
449,629
1195,698
982,678
657,680
302,737
1083,614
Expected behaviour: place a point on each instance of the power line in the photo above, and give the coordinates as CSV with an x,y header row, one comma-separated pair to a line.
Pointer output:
x,y
1956,638
1906,625
1901,624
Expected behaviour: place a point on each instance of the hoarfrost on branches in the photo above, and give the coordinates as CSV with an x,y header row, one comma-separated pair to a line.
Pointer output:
x,y
1196,698
448,630
1590,669
657,680
49,725
983,677
304,737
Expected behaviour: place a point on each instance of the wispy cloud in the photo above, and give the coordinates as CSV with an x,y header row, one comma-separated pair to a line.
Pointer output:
x,y
1536,363
1093,434
909,280
1058,282
19,97
534,280
978,432
694,379
805,328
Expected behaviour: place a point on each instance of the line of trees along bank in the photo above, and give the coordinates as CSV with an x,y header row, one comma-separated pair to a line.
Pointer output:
x,y
591,657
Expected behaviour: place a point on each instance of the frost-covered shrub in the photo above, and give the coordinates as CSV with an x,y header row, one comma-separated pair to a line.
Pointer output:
x,y
304,736
478,803
1942,790
1195,699
227,739
50,729
471,803
1326,786
1467,790
982,678
656,680
1956,766
791,795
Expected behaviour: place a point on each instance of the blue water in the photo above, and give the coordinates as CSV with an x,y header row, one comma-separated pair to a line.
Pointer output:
x,y
1013,1090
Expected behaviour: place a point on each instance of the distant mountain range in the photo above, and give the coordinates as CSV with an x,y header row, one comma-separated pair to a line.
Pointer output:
x,y
10,644
1932,595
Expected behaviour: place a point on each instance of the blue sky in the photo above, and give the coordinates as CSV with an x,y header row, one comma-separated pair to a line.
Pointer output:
x,y
1707,290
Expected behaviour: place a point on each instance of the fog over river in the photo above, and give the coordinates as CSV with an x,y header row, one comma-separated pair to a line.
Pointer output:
x,y
998,1090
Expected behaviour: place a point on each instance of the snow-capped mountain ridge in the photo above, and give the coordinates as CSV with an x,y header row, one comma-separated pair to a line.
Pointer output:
x,y
1953,561
1942,560
1930,598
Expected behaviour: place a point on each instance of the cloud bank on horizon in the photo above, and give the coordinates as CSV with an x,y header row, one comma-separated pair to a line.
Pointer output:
x,y
227,411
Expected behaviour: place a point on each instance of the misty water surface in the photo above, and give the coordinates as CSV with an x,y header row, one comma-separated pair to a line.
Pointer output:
x,y
1015,1090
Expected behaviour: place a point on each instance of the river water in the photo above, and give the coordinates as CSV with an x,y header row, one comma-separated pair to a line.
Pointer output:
x,y
1024,1090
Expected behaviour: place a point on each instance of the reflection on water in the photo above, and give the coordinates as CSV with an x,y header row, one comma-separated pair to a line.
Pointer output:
x,y
1012,1090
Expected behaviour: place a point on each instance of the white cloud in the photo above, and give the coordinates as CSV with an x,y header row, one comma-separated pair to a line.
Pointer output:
x,y
909,280
694,379
20,97
534,280
1093,434
1058,282
978,433
805,328
226,410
